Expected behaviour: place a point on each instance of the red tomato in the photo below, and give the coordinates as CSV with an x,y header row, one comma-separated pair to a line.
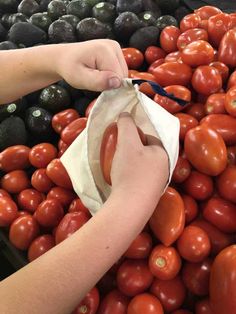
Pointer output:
x,y
231,155
198,185
218,25
191,208
164,262
140,247
187,122
70,223
226,184
223,281
61,119
72,130
145,303
42,154
15,181
4,193
173,73
49,213
215,103
190,36
226,52
62,146
171,293
230,101
145,76
189,21
168,38
30,199
133,57
155,64
40,181
232,80
182,170
40,245
222,68
182,312
207,11
197,53
64,196
8,211
167,221
194,244
196,276
132,73
203,24
146,89
89,108
173,57
114,303
134,277
76,206
153,54
89,304
58,174
23,231
233,19
203,307
196,110
14,158
206,80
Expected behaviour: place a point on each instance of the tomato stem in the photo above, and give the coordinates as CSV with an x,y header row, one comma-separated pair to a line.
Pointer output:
x,y
160,262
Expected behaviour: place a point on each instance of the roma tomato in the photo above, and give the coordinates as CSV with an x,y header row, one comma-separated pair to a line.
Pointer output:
x,y
198,185
133,57
167,221
226,52
230,101
187,122
63,118
89,108
14,158
223,281
15,181
222,68
140,247
171,293
72,130
164,262
226,184
189,21
207,11
134,277
58,174
76,206
231,155
30,199
203,307
153,54
190,208
173,57
232,80
215,104
89,304
196,110
23,231
4,193
182,312
218,25
8,211
190,36
64,196
168,38
49,213
114,303
42,154
182,170
40,245
145,303
155,64
197,53
40,181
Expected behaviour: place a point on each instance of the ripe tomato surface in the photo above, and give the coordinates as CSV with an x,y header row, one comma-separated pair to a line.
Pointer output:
x,y
198,185
182,170
231,155
62,146
190,36
49,213
15,181
194,244
153,54
226,52
76,206
89,108
222,68
23,231
64,196
195,110
40,245
168,38
134,277
164,262
114,303
231,80
42,154
215,104
8,211
140,247
58,174
203,307
173,57
72,130
14,158
133,57
155,64
197,53
230,101
189,21
182,312
29,199
206,80
4,193
187,122
223,281
145,303
40,181
167,221
226,184
190,208
89,304
171,293
207,11
61,119
218,25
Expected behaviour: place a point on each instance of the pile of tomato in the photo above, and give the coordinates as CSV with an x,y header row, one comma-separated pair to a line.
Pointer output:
x,y
184,261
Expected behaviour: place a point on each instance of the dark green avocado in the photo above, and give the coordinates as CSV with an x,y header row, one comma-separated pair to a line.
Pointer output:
x,y
166,20
80,8
147,18
104,12
38,120
8,6
151,5
168,7
7,45
41,20
18,17
56,8
145,37
43,5
16,108
125,25
70,18
81,104
61,32
5,20
3,32
135,6
91,28
28,7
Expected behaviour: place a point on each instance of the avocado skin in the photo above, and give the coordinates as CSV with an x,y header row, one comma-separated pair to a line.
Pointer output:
x,y
56,8
28,7
8,6
168,7
17,17
135,6
81,104
151,5
144,37
7,45
151,21
91,28
166,20
38,120
125,25
16,108
54,98
70,18
80,8
104,12
41,20
3,32
61,32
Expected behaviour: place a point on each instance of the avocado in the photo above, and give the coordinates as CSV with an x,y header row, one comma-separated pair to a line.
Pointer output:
x,y
61,32
41,20
8,6
16,108
73,92
56,8
38,120
92,3
12,132
70,18
3,32
151,5
166,20
131,6
28,7
147,18
26,34
180,12
5,20
18,17
168,7
104,12
125,25
80,8
7,45
54,98
91,28
144,37
81,104
43,5
112,2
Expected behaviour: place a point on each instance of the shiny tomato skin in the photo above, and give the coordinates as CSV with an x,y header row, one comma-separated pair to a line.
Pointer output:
x,y
189,21
164,262
173,57
72,130
182,170
168,38
133,57
62,147
40,181
58,174
89,304
14,158
197,53
226,52
155,64
23,231
76,206
145,303
4,193
206,80
203,307
15,181
29,199
205,12
190,207
226,184
187,122
134,277
42,154
195,110
40,245
218,25
215,104
190,36
114,303
222,282
49,213
153,54
230,101
173,73
167,221
64,196
231,155
222,68
61,119
182,312
8,211
89,108
231,80
140,247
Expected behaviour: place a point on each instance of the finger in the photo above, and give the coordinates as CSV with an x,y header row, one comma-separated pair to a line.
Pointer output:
x,y
153,140
122,62
110,62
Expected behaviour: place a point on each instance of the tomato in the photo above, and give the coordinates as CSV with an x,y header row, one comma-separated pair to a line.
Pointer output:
x,y
134,277
167,221
230,101
145,76
215,103
197,53
190,36
171,293
203,307
64,196
70,223
218,25
231,155
62,147
226,52
223,281
58,174
15,181
231,80
191,208
203,24
198,185
182,170
173,73
40,181
226,184
90,107
196,276
233,19
196,110
222,68
114,303
187,122
206,150
132,73
23,231
206,80
61,119
8,211
153,54
40,245
133,57
14,158
76,206
164,262
49,213
207,11
145,303
89,304
42,154
182,312
146,88
189,21
140,247
4,193
72,130
155,64
173,57
168,38
29,199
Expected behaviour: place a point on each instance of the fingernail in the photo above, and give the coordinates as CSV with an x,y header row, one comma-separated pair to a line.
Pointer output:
x,y
114,82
